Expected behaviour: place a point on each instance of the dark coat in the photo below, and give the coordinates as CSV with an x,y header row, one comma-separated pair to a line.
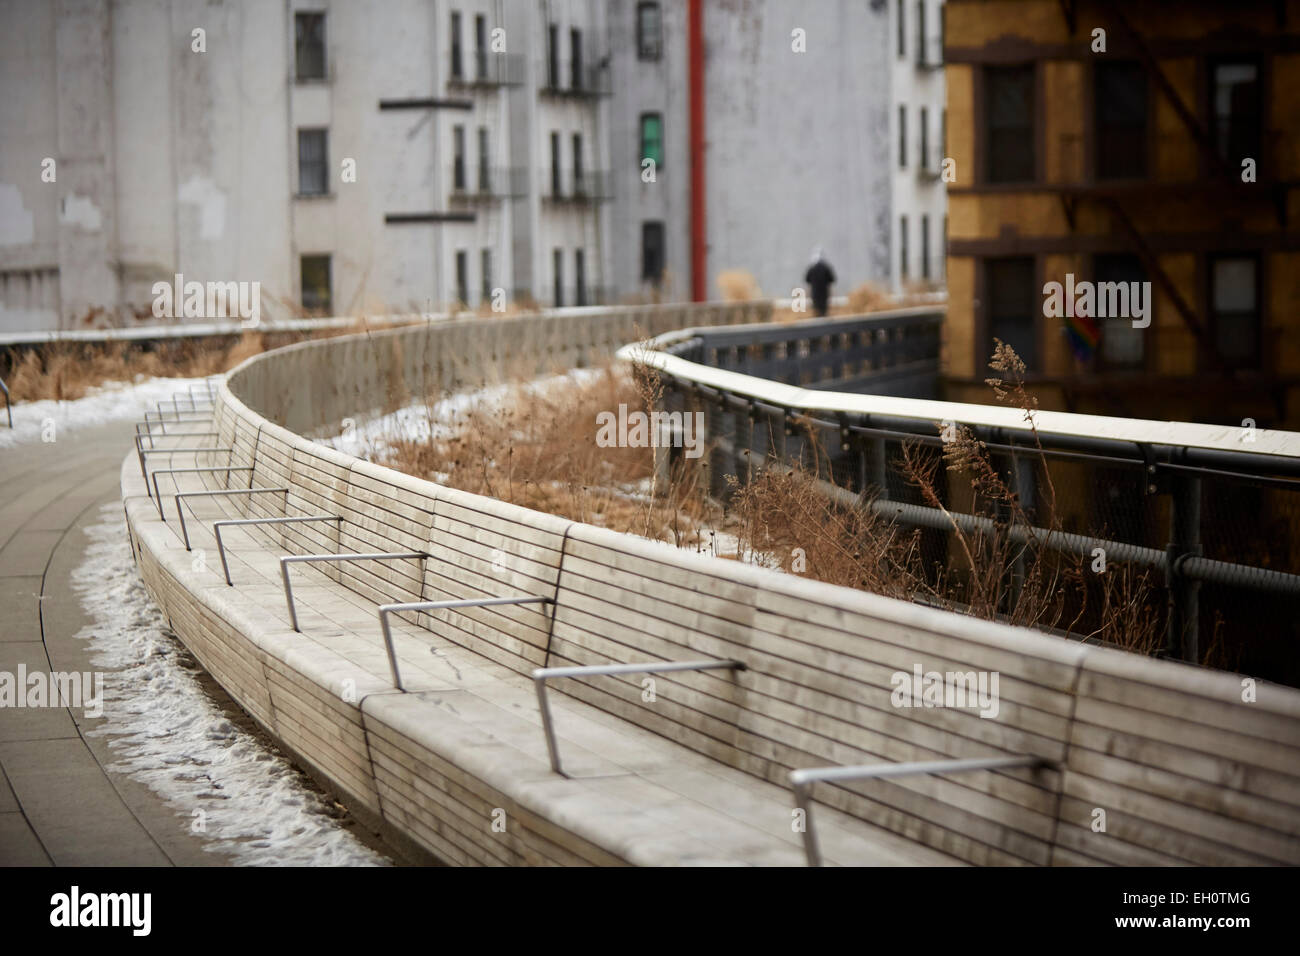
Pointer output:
x,y
819,277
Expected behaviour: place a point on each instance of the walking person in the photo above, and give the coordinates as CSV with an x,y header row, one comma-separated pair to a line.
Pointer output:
x,y
820,277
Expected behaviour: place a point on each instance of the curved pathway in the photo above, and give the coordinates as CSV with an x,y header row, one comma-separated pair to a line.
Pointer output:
x,y
58,804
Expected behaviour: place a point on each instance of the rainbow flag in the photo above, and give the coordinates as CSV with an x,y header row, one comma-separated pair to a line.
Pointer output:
x,y
1083,335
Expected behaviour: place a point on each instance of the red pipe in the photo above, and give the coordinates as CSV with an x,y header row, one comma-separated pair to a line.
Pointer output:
x,y
699,246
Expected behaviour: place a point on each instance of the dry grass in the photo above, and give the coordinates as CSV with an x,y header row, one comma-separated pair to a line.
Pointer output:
x,y
539,450
738,285
868,297
64,371
990,572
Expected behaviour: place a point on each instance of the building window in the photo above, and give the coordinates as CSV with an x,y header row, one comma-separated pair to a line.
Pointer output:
x,y
557,263
457,67
553,56
313,163
925,138
1234,307
943,258
925,247
920,31
1122,346
652,138
485,275
316,288
458,158
1011,305
649,37
902,32
309,45
1009,113
1237,111
556,189
480,47
484,155
1120,98
579,277
575,59
943,31
902,248
652,251
462,277
579,187
902,137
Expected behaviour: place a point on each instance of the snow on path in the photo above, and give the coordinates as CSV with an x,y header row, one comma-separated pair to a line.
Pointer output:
x,y
167,732
419,421
111,402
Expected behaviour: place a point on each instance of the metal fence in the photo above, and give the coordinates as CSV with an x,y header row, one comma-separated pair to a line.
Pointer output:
x,y
1210,514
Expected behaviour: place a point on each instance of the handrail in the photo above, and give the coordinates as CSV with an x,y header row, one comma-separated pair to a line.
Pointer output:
x,y
387,609
9,411
142,452
542,674
140,436
185,533
314,558
189,471
233,522
176,417
801,782
1196,443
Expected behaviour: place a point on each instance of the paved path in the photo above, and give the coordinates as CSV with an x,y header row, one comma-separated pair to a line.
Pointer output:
x,y
58,805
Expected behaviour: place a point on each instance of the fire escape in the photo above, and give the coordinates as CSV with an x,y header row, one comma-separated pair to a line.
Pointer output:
x,y
1218,186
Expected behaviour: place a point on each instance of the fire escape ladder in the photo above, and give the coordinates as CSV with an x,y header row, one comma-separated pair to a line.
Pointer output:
x,y
1162,279
1188,118
1070,10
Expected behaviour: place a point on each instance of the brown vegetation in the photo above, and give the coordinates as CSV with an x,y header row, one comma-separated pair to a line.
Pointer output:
x,y
66,370
538,449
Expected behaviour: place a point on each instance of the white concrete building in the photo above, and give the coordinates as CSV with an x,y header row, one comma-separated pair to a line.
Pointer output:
x,y
407,154
791,117
919,225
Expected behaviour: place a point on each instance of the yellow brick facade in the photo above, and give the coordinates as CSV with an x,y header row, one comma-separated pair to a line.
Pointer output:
x,y
1183,214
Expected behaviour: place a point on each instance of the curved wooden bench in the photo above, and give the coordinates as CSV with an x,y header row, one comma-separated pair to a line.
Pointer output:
x,y
1184,768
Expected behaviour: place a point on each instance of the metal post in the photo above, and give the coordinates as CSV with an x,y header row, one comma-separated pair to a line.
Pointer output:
x,y
319,558
1183,628
387,609
542,674
243,522
801,782
776,446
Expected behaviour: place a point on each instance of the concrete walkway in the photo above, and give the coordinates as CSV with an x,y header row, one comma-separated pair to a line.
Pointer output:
x,y
58,805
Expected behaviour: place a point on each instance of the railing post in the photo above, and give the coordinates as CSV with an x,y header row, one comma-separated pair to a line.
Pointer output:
x,y
1023,488
776,445
719,467
1183,622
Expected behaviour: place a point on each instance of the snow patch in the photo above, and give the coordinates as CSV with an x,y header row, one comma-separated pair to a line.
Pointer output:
x,y
421,421
111,402
81,211
168,734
